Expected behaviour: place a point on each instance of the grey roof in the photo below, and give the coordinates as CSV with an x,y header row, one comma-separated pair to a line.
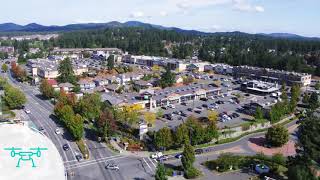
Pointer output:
x,y
142,83
112,87
69,85
111,98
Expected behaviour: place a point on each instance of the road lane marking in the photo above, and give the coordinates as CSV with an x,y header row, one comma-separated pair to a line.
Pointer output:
x,y
75,166
104,158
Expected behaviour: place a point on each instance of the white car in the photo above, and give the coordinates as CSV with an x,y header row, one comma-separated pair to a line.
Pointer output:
x,y
112,167
27,111
171,106
156,155
57,131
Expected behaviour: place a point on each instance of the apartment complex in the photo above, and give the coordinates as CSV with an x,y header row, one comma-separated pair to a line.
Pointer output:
x,y
271,75
48,69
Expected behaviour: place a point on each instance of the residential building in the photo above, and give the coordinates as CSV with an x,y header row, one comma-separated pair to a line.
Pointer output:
x,y
86,85
66,87
7,49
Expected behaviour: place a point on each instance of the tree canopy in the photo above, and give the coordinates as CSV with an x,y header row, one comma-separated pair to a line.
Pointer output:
x,y
66,73
277,135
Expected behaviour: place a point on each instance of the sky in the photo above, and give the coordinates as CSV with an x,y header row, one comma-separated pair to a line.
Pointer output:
x,y
252,16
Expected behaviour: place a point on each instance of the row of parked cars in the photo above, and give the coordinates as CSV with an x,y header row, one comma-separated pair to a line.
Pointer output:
x,y
224,117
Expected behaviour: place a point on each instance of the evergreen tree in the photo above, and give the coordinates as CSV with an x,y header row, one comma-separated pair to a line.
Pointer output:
x,y
314,101
187,160
167,78
160,172
163,138
259,113
110,62
277,135
66,72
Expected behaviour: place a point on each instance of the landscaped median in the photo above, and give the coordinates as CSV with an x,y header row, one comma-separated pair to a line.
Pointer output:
x,y
229,162
229,138
83,148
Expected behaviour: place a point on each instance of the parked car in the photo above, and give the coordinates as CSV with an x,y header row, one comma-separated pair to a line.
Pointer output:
x,y
171,106
156,155
205,105
189,109
197,111
163,158
183,114
203,99
79,157
184,103
164,107
41,128
199,151
178,156
112,167
235,115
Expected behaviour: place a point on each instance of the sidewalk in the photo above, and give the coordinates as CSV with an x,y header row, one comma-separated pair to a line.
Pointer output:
x,y
129,153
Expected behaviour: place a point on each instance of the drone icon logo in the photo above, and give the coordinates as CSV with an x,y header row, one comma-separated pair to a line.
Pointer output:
x,y
25,155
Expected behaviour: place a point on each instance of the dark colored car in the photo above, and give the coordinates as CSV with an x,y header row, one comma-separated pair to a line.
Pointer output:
x,y
198,111
184,103
189,109
66,147
205,105
183,114
41,128
199,151
79,157
204,99
235,115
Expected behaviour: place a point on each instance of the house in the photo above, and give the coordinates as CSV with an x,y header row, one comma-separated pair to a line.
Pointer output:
x,y
53,83
178,79
112,87
86,85
142,84
113,79
101,82
67,87
129,77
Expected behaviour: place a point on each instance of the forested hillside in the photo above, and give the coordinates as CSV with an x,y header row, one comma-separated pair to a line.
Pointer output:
x,y
235,48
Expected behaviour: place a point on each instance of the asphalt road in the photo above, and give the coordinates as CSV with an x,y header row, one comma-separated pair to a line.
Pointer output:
x,y
93,168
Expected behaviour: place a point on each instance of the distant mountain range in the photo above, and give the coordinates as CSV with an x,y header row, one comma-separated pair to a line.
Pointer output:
x,y
34,28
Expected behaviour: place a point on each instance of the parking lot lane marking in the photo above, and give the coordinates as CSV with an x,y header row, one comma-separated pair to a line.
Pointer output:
x,y
147,164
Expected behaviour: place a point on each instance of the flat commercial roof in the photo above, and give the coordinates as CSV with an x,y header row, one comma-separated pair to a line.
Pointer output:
x,y
49,164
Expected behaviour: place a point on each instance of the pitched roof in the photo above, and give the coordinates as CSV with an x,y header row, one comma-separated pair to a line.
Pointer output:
x,y
52,82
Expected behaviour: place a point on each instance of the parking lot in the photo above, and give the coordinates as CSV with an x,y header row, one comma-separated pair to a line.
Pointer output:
x,y
225,103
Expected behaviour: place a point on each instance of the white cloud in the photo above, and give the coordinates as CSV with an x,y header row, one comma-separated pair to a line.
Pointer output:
x,y
244,5
137,14
163,13
240,5
259,9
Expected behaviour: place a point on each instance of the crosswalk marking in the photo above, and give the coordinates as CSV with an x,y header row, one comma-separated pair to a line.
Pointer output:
x,y
152,162
147,164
